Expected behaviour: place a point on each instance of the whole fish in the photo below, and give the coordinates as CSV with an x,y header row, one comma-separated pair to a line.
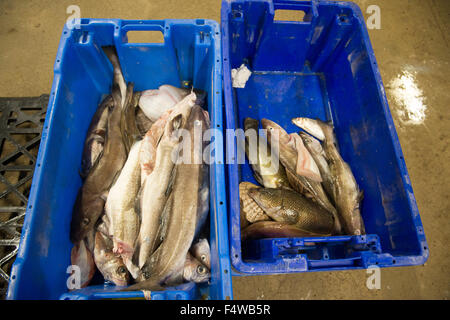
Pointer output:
x,y
202,252
345,189
288,157
120,208
306,165
142,122
157,186
118,77
249,208
290,207
170,256
95,140
82,257
91,197
274,229
266,168
315,149
108,263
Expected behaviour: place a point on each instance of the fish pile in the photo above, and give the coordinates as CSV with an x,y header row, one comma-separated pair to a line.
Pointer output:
x,y
140,212
312,193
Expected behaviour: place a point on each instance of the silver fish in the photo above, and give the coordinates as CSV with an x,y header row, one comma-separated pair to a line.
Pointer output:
x,y
120,208
157,185
345,189
202,252
170,256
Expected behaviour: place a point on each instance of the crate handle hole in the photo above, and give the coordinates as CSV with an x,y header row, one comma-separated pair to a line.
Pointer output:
x,y
289,15
145,36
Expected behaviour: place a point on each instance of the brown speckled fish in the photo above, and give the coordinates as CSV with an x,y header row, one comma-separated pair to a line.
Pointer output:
x,y
249,208
292,208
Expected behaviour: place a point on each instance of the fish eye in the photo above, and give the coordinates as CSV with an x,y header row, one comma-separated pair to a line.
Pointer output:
x,y
86,221
121,269
201,269
203,257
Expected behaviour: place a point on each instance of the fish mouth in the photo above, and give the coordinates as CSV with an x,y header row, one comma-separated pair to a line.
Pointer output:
x,y
119,282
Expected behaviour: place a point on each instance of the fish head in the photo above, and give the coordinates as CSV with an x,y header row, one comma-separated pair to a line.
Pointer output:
x,y
195,271
270,200
202,253
250,123
115,271
275,132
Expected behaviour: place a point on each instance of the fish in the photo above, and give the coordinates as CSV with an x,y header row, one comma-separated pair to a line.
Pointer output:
x,y
274,229
249,208
306,165
192,271
311,126
91,197
315,149
157,186
120,208
118,77
261,159
96,134
291,207
346,192
170,255
288,157
149,145
110,265
202,252
142,122
82,257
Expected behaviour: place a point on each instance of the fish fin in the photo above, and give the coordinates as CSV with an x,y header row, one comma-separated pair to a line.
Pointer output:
x,y
169,188
137,203
361,196
116,176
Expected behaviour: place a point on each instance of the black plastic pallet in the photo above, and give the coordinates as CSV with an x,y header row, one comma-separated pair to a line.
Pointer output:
x,y
21,122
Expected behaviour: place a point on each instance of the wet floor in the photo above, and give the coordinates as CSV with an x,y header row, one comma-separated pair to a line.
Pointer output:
x,y
412,50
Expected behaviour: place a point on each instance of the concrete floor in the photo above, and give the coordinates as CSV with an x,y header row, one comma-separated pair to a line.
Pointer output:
x,y
412,49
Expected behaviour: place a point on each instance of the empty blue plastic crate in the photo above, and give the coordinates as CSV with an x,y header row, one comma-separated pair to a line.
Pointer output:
x,y
190,54
322,67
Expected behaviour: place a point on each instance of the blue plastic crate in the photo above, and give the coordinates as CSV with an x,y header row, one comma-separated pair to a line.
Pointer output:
x,y
82,74
322,67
